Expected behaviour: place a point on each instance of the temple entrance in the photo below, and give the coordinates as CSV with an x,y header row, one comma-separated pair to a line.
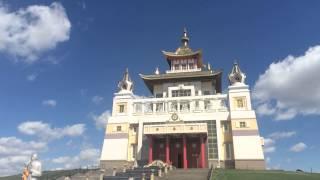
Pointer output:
x,y
182,151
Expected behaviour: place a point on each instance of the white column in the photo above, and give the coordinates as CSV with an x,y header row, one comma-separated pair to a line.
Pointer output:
x,y
201,105
140,137
165,104
154,107
219,140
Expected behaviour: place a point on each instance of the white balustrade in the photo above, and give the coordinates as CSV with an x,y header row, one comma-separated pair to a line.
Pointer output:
x,y
190,104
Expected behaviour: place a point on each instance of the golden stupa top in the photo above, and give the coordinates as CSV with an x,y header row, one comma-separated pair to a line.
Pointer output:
x,y
184,49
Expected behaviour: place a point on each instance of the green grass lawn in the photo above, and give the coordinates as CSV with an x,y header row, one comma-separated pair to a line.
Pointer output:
x,y
262,175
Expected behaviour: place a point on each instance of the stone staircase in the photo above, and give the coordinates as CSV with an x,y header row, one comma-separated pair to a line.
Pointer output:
x,y
175,174
186,174
89,175
136,174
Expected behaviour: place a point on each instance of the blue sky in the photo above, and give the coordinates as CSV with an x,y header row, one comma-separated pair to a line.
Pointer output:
x,y
61,61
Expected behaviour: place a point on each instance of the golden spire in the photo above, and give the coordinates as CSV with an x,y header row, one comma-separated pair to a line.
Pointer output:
x,y
185,38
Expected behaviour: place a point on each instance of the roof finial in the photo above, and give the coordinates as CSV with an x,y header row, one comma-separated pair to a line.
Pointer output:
x,y
126,75
236,75
157,71
126,84
185,32
185,38
235,62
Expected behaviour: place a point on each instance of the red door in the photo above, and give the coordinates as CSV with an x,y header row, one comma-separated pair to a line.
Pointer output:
x,y
159,152
176,152
193,152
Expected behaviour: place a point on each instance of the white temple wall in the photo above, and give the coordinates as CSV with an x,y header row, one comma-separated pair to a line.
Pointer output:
x,y
114,149
247,147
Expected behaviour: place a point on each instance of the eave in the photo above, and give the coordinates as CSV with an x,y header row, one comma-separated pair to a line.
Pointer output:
x,y
215,76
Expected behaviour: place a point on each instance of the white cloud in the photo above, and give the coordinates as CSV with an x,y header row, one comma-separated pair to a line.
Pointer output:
x,y
31,31
298,147
268,142
102,119
15,152
32,77
269,145
290,87
97,99
263,109
90,154
45,132
270,149
87,156
49,102
74,130
61,160
275,167
13,146
282,135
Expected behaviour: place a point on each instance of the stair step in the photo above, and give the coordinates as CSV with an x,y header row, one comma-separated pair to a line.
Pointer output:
x,y
186,174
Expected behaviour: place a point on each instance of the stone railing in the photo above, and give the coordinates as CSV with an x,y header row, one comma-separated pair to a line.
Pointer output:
x,y
187,104
183,70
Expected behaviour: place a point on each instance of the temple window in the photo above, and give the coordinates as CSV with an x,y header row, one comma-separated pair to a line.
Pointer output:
x,y
175,93
159,107
184,66
184,106
176,67
121,108
240,102
181,92
191,66
197,105
138,108
159,95
206,93
149,107
243,124
174,106
119,128
207,105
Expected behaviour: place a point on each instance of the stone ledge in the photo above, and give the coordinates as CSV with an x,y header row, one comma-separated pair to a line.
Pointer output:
x,y
254,164
110,164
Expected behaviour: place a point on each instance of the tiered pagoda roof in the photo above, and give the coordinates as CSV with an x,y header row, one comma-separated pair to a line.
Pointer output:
x,y
184,52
